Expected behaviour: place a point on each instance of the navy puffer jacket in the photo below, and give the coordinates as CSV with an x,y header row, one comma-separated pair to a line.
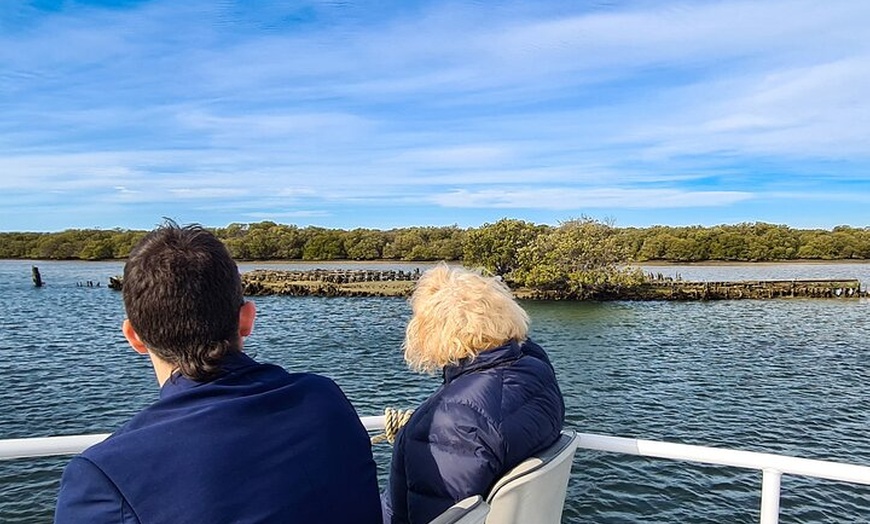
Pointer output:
x,y
490,414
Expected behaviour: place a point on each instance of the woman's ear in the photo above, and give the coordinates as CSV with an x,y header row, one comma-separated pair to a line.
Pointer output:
x,y
246,318
133,338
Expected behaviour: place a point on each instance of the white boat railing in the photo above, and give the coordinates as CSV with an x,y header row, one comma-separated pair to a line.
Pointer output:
x,y
772,466
17,448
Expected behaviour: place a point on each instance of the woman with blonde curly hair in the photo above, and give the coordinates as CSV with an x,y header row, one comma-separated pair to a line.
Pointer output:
x,y
499,402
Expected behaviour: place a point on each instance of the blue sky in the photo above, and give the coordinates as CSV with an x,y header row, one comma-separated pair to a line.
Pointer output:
x,y
392,114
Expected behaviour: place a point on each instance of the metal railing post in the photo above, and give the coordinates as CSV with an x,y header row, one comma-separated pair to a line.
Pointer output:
x,y
770,484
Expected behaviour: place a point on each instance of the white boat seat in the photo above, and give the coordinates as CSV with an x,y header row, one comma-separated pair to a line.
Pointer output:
x,y
534,491
472,510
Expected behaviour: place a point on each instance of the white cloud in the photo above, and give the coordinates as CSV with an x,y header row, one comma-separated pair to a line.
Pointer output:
x,y
861,197
206,192
464,156
578,199
253,127
286,214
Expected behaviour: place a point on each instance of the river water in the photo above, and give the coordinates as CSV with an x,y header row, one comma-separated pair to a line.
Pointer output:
x,y
783,376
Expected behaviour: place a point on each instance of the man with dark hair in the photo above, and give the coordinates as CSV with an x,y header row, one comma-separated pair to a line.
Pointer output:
x,y
229,440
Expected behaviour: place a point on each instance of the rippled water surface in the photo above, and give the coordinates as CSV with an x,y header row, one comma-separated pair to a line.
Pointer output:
x,y
786,376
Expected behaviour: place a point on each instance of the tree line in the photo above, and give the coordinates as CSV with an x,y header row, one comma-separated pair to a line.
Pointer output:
x,y
746,242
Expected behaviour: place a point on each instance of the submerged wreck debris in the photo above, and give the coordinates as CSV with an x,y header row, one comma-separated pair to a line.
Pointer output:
x,y
760,289
330,283
375,283
681,290
321,282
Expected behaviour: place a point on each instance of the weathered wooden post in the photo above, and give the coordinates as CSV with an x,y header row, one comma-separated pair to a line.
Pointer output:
x,y
116,283
37,278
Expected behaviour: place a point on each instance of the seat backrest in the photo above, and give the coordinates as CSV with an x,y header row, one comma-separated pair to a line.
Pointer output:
x,y
534,491
472,510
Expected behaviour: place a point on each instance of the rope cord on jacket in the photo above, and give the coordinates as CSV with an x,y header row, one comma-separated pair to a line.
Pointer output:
x,y
395,420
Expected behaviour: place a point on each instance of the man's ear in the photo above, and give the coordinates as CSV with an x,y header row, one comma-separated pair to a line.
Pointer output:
x,y
133,338
246,318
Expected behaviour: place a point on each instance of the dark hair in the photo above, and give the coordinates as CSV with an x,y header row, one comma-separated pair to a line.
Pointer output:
x,y
182,293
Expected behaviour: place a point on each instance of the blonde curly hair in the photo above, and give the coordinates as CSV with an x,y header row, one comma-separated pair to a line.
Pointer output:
x,y
458,313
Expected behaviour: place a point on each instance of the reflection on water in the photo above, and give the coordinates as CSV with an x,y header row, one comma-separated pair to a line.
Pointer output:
x,y
784,376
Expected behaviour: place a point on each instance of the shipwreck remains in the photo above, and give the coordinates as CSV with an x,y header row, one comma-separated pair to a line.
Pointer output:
x,y
725,290
394,283
331,282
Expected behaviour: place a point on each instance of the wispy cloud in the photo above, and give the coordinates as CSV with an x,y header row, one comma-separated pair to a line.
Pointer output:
x,y
593,198
286,215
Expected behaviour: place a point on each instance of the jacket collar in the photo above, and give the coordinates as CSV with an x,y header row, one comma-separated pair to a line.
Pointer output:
x,y
484,360
230,363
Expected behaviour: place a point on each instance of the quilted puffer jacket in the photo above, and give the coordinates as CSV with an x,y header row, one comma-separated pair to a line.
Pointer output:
x,y
490,414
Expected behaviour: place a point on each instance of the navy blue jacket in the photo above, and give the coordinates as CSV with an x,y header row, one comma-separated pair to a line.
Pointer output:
x,y
255,445
489,415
